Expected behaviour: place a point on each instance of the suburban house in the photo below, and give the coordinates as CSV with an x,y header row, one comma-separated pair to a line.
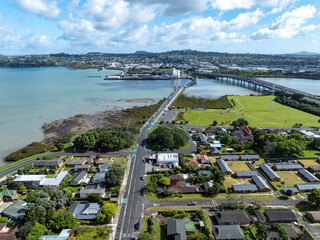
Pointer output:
x,y
223,166
259,215
49,163
207,185
79,177
247,157
261,184
99,177
205,173
293,189
244,188
104,167
269,172
227,232
242,134
105,161
86,211
215,144
64,235
182,186
176,229
293,233
282,215
210,131
203,159
195,130
168,159
307,187
36,181
305,174
229,157
192,162
85,167
7,233
279,131
287,166
3,180
314,168
178,177
16,211
74,162
246,174
231,218
314,216
8,196
96,188
214,151
201,138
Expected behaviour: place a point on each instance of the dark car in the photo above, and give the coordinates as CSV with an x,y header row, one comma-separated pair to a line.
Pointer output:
x,y
142,177
137,225
192,203
213,209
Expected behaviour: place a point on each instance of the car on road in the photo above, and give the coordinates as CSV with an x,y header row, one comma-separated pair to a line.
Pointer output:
x,y
137,225
192,203
142,177
213,209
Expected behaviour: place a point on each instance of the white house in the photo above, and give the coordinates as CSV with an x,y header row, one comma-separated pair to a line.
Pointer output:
x,y
168,159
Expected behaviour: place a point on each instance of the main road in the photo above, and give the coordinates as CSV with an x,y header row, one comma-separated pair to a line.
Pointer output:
x,y
132,204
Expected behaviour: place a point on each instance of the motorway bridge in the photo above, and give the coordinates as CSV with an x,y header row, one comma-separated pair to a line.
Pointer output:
x,y
258,85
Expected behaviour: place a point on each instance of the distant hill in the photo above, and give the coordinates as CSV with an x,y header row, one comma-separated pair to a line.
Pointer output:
x,y
304,53
142,53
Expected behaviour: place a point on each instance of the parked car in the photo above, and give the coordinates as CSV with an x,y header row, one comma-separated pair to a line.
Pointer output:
x,y
213,209
137,225
192,203
142,177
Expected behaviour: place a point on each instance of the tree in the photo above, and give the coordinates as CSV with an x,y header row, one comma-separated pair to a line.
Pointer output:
x,y
114,176
62,219
95,198
100,218
314,197
109,208
164,181
86,141
227,139
283,233
259,204
214,123
182,162
59,146
21,187
37,231
262,229
212,191
240,122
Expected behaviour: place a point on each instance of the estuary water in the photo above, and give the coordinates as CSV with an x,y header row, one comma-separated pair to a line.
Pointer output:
x,y
30,97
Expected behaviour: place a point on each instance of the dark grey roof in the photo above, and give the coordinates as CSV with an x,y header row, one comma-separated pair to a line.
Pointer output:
x,y
76,162
267,170
231,217
229,157
223,165
78,177
207,185
17,210
307,186
47,163
282,214
246,173
177,228
85,166
259,215
260,182
307,175
96,188
293,189
249,157
87,211
288,166
244,187
230,232
99,175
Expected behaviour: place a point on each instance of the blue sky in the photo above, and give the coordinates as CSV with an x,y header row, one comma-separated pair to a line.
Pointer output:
x,y
80,26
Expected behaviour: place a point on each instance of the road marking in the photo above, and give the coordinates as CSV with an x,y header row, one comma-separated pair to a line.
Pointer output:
x,y
156,204
213,202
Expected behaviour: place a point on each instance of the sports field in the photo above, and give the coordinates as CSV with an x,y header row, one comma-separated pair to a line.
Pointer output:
x,y
256,109
206,118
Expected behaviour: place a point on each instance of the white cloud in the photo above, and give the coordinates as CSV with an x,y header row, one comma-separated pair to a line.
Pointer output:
x,y
113,14
72,4
232,4
288,25
46,8
245,19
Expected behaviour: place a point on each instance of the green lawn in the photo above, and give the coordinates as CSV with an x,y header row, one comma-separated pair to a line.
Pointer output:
x,y
205,118
289,179
311,153
256,111
238,166
261,161
73,189
229,181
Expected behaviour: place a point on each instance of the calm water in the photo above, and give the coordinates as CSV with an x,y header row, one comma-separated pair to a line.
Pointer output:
x,y
30,97
305,85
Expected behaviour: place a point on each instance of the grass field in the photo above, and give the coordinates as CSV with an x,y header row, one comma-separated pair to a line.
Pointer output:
x,y
205,118
238,166
311,153
229,181
308,162
261,161
256,111
289,179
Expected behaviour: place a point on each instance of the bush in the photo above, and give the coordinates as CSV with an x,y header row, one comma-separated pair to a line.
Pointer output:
x,y
30,150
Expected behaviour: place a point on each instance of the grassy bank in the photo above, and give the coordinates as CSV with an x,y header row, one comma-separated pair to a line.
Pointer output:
x,y
184,101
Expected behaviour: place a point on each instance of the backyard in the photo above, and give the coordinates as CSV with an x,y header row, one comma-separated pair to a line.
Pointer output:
x,y
238,166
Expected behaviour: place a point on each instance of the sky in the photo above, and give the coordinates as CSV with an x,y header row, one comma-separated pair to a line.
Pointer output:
x,y
125,26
